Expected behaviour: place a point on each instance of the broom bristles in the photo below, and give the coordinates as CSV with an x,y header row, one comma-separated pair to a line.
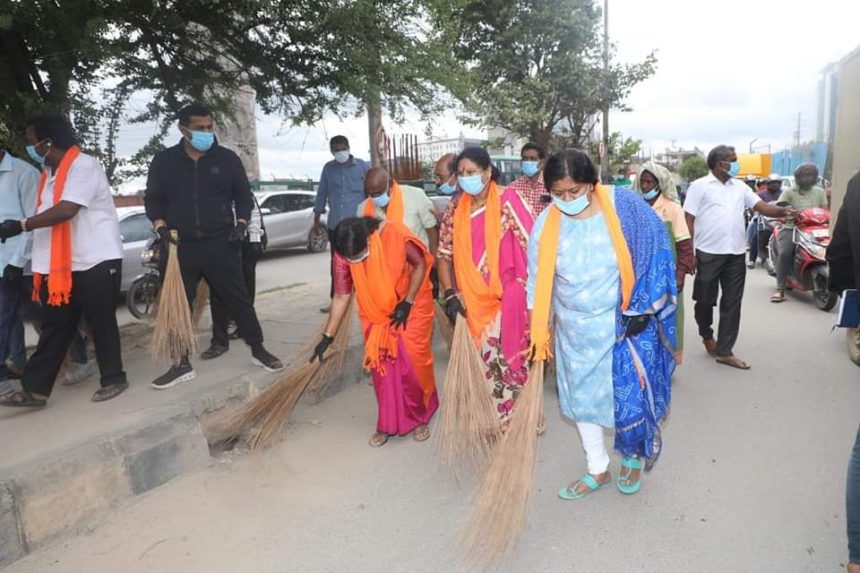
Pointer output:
x,y
201,302
443,323
501,508
266,414
173,337
468,426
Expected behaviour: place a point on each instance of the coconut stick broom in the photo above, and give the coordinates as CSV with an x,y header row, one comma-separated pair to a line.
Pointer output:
x,y
265,415
501,508
468,426
443,323
173,337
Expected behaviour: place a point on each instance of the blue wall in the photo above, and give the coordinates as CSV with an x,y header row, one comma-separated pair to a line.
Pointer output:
x,y
785,162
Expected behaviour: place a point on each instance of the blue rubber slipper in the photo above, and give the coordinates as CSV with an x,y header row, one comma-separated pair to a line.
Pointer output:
x,y
623,485
569,492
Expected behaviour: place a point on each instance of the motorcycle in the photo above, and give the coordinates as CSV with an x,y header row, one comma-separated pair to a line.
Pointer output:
x,y
764,231
143,292
810,237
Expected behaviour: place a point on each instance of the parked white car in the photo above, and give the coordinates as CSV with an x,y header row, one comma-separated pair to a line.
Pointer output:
x,y
135,229
289,220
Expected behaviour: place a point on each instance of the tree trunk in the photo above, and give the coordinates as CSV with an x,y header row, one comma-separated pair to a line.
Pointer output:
x,y
374,122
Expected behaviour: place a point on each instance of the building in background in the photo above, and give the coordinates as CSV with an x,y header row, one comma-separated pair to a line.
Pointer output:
x,y
673,158
435,148
504,142
828,91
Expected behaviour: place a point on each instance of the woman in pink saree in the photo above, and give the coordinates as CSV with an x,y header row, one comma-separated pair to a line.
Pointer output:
x,y
482,247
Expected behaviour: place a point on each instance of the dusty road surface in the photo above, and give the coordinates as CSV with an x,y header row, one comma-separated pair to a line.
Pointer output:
x,y
751,479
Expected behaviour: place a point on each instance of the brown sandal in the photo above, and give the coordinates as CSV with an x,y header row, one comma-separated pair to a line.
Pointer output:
x,y
778,296
421,433
23,399
733,361
378,440
109,392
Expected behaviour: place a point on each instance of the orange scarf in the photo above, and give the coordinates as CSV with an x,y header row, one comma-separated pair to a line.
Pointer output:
x,y
483,301
547,251
60,274
394,211
377,297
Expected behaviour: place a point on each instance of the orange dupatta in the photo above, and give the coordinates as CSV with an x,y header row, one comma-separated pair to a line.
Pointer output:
x,y
394,211
547,251
483,301
60,274
377,297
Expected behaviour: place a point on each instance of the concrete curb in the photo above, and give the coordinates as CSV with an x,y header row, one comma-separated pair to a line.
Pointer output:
x,y
50,496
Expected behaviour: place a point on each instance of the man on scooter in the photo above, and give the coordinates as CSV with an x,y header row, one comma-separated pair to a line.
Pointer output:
x,y
804,195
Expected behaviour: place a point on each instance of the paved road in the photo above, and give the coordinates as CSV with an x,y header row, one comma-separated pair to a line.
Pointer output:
x,y
751,479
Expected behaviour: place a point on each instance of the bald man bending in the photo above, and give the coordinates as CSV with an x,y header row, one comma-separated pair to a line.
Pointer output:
x,y
419,215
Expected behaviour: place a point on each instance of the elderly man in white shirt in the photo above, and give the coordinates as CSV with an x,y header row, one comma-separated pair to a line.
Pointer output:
x,y
715,208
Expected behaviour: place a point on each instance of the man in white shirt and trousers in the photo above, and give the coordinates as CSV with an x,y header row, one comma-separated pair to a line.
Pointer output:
x,y
715,208
76,260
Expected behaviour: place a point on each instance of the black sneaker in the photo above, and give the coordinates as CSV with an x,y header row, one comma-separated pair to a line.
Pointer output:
x,y
177,374
214,351
265,360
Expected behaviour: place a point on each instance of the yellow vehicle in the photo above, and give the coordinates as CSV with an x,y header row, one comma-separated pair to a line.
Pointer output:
x,y
756,165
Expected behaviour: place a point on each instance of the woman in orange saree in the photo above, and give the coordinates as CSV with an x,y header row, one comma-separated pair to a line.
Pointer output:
x,y
389,269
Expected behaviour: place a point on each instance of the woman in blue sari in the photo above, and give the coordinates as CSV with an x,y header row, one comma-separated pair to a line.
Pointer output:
x,y
601,260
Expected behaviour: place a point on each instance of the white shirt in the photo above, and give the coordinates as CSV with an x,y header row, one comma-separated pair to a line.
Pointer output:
x,y
719,207
95,228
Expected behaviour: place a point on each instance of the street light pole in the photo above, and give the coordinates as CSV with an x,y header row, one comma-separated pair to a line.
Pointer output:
x,y
751,142
605,160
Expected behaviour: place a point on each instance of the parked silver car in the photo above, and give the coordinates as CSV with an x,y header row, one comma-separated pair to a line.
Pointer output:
x,y
289,220
135,229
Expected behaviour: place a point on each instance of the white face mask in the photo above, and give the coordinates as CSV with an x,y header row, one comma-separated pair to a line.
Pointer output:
x,y
341,156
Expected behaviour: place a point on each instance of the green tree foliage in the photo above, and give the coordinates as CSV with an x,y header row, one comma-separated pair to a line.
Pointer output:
x,y
693,168
536,66
85,58
622,150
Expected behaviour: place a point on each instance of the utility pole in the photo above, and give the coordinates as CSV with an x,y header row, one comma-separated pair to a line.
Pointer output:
x,y
605,160
797,133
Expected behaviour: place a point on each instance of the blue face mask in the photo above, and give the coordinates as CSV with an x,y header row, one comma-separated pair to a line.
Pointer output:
x,y
571,208
652,194
471,184
734,169
34,155
202,141
381,201
341,156
446,188
530,168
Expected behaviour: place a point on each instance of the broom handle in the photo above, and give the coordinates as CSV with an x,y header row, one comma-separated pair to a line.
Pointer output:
x,y
174,234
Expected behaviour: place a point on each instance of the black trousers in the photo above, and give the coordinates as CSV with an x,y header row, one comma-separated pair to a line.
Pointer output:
x,y
94,295
715,272
220,263
220,316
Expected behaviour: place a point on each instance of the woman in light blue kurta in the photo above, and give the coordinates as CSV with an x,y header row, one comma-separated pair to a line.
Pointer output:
x,y
613,337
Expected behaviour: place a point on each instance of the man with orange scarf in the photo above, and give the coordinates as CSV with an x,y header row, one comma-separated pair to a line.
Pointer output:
x,y
389,268
77,261
482,241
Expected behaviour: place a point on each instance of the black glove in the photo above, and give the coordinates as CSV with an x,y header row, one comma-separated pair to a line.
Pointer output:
x,y
401,313
321,348
10,228
238,234
13,274
257,249
453,306
636,324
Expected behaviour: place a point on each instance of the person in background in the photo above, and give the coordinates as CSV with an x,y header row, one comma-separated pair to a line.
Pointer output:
x,y
389,200
715,217
757,238
201,190
602,261
445,175
483,241
655,184
530,186
252,249
341,189
804,195
388,268
76,260
18,188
